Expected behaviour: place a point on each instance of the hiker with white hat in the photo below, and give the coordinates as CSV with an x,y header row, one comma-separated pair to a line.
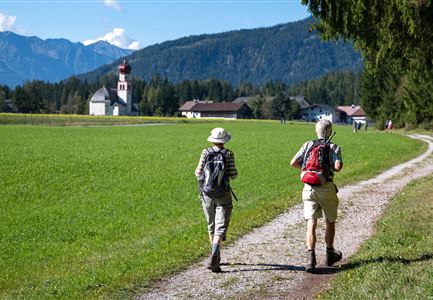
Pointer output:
x,y
215,169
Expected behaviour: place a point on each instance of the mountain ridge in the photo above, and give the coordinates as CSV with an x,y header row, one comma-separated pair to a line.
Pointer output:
x,y
25,58
286,52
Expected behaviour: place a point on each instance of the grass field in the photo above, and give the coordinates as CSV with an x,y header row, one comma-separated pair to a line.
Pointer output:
x,y
81,120
397,263
92,212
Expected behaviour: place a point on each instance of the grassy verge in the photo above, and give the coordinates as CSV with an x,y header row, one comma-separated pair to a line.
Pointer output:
x,y
93,212
397,262
87,120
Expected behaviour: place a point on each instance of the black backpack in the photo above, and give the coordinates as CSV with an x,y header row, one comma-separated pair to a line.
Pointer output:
x,y
215,181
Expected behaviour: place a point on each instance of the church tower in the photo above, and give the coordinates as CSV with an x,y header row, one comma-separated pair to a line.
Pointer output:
x,y
124,90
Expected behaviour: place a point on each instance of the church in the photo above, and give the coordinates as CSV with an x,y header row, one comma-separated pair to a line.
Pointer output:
x,y
115,102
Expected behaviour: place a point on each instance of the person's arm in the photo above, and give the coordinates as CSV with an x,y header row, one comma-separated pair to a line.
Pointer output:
x,y
200,166
336,155
338,165
296,161
231,167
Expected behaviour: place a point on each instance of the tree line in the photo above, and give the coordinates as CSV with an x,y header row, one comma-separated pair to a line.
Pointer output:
x,y
160,97
395,40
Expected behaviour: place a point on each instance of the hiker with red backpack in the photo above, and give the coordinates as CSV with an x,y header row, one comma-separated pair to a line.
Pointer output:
x,y
215,169
318,160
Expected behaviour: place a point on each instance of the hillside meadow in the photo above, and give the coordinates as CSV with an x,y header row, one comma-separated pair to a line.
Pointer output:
x,y
90,212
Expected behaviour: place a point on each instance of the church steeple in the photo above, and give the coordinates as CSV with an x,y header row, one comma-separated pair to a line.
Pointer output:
x,y
124,90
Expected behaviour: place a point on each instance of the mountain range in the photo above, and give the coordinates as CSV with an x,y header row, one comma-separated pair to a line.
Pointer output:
x,y
29,58
289,52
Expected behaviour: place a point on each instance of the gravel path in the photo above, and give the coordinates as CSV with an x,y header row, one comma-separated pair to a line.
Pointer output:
x,y
268,263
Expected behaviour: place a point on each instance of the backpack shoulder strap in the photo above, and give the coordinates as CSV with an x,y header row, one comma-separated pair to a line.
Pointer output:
x,y
209,150
310,145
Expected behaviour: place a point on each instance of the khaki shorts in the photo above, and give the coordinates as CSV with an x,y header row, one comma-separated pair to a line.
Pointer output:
x,y
217,212
320,198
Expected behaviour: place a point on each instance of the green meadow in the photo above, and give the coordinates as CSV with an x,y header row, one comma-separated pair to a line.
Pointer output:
x,y
89,212
396,263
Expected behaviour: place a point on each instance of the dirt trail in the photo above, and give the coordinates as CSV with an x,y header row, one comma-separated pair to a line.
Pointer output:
x,y
268,263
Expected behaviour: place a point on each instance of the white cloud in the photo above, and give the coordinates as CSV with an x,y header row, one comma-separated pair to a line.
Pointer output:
x,y
118,38
113,4
7,23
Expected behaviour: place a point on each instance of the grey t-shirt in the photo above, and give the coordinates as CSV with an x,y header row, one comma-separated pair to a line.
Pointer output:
x,y
335,155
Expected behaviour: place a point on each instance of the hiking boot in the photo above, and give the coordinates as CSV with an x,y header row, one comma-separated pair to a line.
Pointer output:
x,y
214,263
209,263
311,263
332,256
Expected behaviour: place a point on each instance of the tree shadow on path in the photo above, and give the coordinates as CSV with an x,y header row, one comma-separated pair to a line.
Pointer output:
x,y
392,259
324,270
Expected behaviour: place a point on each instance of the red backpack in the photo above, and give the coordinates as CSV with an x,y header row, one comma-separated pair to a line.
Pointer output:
x,y
316,166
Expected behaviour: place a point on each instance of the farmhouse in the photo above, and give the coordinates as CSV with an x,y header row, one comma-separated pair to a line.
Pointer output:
x,y
316,112
301,100
115,102
9,106
206,109
353,113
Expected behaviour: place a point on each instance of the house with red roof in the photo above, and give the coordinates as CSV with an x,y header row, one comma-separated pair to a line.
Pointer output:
x,y
352,113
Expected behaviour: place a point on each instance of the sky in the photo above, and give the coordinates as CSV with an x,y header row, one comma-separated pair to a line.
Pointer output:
x,y
135,24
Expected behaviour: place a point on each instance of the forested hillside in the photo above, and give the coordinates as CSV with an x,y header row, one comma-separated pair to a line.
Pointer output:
x,y
396,41
288,53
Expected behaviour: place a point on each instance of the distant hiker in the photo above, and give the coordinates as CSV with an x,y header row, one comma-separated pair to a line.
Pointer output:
x,y
386,125
365,126
282,118
354,127
318,160
214,171
390,126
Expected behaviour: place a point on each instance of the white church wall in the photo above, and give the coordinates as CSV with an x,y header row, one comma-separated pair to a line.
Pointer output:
x,y
116,110
98,108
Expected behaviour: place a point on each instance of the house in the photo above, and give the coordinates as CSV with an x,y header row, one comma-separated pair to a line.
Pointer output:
x,y
9,106
186,111
206,109
352,113
301,100
316,112
115,102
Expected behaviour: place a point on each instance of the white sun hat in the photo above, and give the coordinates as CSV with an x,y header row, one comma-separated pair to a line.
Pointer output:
x,y
219,135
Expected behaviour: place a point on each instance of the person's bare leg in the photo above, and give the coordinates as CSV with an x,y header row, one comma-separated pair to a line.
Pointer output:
x,y
311,234
332,255
329,234
311,245
216,240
